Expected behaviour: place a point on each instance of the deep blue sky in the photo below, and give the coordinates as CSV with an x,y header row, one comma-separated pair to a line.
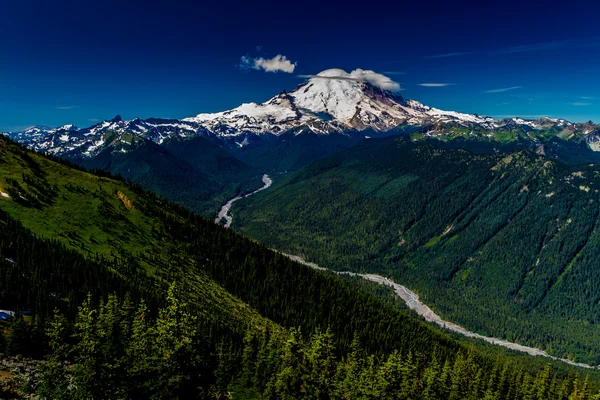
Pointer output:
x,y
82,61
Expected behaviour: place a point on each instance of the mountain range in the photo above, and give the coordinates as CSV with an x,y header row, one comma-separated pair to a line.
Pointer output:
x,y
202,161
328,103
484,218
79,251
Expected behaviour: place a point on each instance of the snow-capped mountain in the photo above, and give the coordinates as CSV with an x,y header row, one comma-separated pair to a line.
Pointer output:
x,y
329,102
332,102
116,134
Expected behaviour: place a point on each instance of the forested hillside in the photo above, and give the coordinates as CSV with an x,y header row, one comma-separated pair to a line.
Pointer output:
x,y
131,296
194,172
503,243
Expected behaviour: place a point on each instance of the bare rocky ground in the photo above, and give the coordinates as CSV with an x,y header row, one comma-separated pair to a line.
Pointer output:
x,y
19,376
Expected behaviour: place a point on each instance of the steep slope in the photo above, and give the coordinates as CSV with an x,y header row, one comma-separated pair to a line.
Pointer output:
x,y
504,244
66,233
108,221
193,172
82,233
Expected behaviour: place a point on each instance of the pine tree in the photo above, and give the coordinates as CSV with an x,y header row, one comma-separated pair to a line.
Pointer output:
x,y
542,383
226,366
19,339
111,348
491,392
249,355
391,376
458,382
576,393
347,385
288,381
477,386
54,382
85,371
268,359
141,355
528,388
319,365
176,331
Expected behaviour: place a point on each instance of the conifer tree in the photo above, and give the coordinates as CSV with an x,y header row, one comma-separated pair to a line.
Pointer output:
x,y
86,353
141,354
175,358
347,385
319,363
542,383
391,376
288,381
54,382
226,366
249,355
19,339
458,376
111,347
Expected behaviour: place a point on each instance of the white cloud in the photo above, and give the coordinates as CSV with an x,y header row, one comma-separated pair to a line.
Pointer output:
x,y
279,63
502,90
435,84
580,104
359,75
375,79
65,107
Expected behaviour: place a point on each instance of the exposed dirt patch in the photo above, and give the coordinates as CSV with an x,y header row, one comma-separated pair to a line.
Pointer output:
x,y
126,202
5,375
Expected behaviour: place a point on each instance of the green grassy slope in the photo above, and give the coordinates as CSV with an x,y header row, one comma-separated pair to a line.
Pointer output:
x,y
101,217
505,244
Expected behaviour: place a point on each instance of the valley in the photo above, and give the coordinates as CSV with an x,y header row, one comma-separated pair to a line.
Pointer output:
x,y
445,222
295,201
101,244
408,296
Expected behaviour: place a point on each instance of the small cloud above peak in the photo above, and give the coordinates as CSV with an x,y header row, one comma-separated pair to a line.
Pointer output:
x,y
502,90
279,63
358,75
64,107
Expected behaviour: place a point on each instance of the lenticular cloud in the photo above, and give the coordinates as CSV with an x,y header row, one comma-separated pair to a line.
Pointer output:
x,y
359,75
375,79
